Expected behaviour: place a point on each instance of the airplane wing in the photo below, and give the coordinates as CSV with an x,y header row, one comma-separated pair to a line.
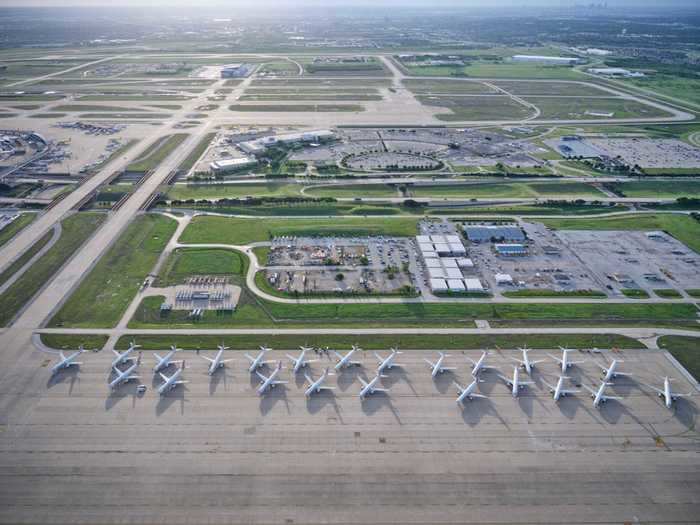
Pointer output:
x,y
261,376
520,361
379,358
116,353
449,367
471,361
163,376
180,382
380,389
278,382
326,388
250,358
131,378
226,361
591,390
478,395
551,387
157,356
580,363
557,359
364,383
311,360
568,392
293,359
337,354
508,381
308,379
432,365
605,398
526,383
537,361
657,390
207,358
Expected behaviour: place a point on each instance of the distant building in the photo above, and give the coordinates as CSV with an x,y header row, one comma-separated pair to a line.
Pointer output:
x,y
259,146
615,72
230,165
565,61
511,250
236,70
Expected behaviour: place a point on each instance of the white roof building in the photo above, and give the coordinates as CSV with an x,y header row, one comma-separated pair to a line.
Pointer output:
x,y
438,239
437,273
438,285
474,285
456,285
463,262
442,248
433,263
453,273
430,255
227,165
425,247
457,248
545,59
503,278
453,239
449,262
422,239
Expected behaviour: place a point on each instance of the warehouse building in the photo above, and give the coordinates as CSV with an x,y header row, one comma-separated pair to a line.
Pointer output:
x,y
259,146
494,233
219,167
236,70
511,250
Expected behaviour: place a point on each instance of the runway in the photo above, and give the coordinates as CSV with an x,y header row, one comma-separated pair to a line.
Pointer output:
x,y
214,452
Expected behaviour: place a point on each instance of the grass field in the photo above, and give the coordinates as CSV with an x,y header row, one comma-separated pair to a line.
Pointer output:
x,y
447,87
12,229
105,293
75,230
305,108
581,107
686,350
184,262
25,257
71,342
157,152
682,227
660,188
683,88
668,293
379,342
220,191
476,108
525,88
482,69
554,293
510,189
243,231
634,293
342,97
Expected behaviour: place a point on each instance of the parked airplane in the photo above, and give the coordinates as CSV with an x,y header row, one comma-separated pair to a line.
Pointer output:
x,y
164,362
300,362
370,388
125,376
218,361
344,361
599,395
123,357
479,365
437,367
468,392
387,363
259,360
527,365
559,391
515,383
171,382
611,372
67,361
666,393
317,386
564,360
271,381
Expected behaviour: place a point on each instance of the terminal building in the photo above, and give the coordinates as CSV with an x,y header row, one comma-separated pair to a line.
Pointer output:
x,y
236,70
220,167
259,146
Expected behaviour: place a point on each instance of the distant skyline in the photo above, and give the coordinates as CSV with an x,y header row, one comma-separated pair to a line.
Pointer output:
x,y
640,4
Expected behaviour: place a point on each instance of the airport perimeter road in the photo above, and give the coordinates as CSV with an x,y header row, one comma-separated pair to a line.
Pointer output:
x,y
212,451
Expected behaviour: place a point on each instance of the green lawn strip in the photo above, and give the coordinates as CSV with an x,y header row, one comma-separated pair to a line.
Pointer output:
x,y
514,190
104,295
379,342
635,293
75,230
253,312
25,257
693,292
207,229
221,191
685,349
89,107
184,262
660,189
197,152
266,287
16,226
669,293
555,293
73,341
682,227
157,152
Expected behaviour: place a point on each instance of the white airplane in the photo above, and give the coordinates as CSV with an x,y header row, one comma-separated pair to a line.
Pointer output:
x,y
68,360
387,363
218,361
564,361
370,388
270,382
300,362
123,357
171,382
559,391
599,395
437,367
164,362
317,386
611,372
259,360
515,383
345,361
468,392
478,365
125,376
525,362
666,393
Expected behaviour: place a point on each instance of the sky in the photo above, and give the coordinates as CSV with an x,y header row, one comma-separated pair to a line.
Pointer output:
x,y
327,3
